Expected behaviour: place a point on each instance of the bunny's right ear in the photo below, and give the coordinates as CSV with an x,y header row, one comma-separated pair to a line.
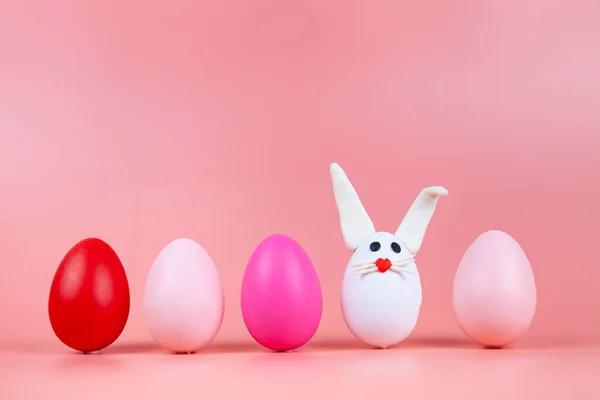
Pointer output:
x,y
356,223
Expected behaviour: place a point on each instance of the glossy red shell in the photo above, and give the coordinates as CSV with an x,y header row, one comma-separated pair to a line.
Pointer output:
x,y
89,297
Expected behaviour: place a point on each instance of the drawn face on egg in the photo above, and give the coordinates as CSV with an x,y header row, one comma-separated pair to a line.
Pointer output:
x,y
380,247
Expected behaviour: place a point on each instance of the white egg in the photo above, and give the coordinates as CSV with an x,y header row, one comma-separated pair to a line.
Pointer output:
x,y
381,308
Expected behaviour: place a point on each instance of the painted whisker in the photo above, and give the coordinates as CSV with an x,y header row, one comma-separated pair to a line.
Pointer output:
x,y
401,270
366,271
396,266
372,263
367,266
401,264
362,264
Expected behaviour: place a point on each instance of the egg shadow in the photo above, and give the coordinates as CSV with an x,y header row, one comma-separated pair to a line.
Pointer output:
x,y
231,348
153,348
331,345
280,363
525,343
552,343
410,343
437,342
146,347
82,364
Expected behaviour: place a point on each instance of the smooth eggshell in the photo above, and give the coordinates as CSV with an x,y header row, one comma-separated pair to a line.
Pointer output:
x,y
183,298
281,295
89,297
494,290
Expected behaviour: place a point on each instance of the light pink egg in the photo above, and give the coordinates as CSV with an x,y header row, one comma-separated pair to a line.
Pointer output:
x,y
183,298
281,295
494,290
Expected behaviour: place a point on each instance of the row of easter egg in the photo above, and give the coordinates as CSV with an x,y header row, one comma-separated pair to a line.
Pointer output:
x,y
281,300
183,300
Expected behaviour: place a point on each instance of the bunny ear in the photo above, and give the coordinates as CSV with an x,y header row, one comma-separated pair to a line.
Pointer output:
x,y
412,229
356,223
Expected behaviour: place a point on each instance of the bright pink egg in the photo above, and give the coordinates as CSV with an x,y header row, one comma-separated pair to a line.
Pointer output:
x,y
281,295
494,290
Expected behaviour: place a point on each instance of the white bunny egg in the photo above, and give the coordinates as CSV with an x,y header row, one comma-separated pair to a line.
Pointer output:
x,y
381,290
381,303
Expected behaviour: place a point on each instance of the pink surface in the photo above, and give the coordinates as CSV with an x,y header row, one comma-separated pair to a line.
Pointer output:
x,y
141,122
425,368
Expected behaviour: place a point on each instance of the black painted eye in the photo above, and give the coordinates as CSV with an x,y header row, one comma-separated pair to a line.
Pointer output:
x,y
375,246
396,247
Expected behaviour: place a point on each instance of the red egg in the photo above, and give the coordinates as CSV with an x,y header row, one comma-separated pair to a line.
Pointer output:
x,y
89,297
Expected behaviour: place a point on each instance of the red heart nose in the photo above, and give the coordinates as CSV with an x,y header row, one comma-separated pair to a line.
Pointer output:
x,y
383,264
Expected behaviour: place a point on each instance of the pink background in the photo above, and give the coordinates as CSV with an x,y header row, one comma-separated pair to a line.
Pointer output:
x,y
142,121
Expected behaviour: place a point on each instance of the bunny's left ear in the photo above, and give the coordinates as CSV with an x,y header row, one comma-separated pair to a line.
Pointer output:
x,y
412,229
356,223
